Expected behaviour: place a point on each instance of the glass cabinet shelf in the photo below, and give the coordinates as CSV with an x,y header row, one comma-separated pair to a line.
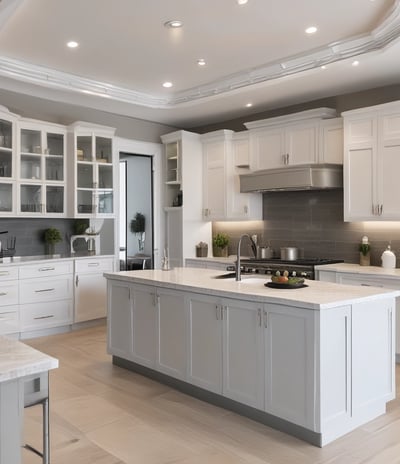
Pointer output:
x,y
6,198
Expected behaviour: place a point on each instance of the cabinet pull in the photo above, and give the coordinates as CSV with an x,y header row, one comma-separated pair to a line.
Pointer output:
x,y
217,312
93,264
4,273
265,319
3,293
76,280
380,210
44,317
43,269
259,315
45,290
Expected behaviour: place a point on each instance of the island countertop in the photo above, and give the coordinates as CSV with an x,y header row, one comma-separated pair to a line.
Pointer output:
x,y
20,360
316,296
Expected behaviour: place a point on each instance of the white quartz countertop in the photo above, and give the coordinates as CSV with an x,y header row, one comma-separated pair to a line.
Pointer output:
x,y
317,295
357,269
19,360
17,260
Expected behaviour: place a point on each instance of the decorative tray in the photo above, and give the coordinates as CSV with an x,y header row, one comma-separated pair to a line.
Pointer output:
x,y
286,285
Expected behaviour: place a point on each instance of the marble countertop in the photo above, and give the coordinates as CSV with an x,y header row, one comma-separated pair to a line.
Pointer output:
x,y
16,260
357,269
19,360
317,295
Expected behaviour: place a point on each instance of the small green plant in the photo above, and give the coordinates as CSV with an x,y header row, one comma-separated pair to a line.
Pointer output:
x,y
221,240
52,235
80,226
364,248
138,224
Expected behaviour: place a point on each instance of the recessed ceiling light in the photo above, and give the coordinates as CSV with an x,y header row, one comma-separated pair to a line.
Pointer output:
x,y
311,30
242,2
72,44
173,23
249,105
323,67
355,63
201,62
167,85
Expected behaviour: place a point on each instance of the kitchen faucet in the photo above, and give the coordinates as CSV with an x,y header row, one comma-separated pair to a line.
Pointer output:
x,y
253,247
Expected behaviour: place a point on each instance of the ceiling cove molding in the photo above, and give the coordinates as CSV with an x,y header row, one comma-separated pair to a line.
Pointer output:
x,y
385,34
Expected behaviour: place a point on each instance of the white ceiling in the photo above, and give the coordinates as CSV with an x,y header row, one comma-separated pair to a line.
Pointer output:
x,y
256,53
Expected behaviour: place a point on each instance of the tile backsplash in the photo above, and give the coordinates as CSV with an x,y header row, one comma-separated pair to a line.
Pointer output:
x,y
313,222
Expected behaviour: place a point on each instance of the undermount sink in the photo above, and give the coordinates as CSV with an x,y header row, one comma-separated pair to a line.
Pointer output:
x,y
248,279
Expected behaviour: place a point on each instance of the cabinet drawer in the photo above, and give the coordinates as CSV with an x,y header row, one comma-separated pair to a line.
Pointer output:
x,y
92,266
8,273
57,288
8,293
9,322
42,315
46,269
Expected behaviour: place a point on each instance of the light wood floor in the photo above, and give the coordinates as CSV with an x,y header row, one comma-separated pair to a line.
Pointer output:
x,y
107,415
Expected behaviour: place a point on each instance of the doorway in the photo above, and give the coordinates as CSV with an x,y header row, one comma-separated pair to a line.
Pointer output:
x,y
136,212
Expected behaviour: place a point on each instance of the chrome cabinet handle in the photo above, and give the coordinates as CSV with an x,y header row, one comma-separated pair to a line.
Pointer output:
x,y
380,210
3,293
259,315
43,269
76,280
93,264
217,312
4,273
45,290
44,317
265,319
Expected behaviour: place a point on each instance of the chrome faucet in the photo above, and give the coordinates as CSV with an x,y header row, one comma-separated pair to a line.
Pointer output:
x,y
253,247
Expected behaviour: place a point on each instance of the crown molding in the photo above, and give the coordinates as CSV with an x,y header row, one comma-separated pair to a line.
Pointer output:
x,y
384,35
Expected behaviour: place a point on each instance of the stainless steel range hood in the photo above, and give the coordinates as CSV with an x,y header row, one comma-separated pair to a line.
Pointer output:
x,y
297,177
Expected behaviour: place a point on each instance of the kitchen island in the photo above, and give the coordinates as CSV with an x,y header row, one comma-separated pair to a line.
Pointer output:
x,y
315,362
23,379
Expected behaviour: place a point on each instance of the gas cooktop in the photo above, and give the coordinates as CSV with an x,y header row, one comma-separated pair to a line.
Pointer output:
x,y
300,261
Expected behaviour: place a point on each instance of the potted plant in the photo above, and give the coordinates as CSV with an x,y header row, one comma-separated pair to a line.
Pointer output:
x,y
138,227
365,252
220,245
51,237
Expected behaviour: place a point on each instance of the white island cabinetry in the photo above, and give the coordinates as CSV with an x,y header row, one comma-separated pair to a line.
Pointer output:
x,y
266,349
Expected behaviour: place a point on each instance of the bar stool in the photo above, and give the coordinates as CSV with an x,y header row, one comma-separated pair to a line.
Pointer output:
x,y
36,391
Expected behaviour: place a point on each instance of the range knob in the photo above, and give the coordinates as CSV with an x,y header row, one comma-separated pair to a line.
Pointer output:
x,y
304,274
293,273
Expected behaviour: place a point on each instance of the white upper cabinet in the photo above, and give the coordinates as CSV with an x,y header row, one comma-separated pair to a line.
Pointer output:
x,y
299,138
183,197
7,162
92,170
372,163
41,169
225,157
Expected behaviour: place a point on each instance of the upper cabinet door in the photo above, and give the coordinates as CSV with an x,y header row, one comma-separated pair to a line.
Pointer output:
x,y
301,143
41,168
92,170
8,205
267,148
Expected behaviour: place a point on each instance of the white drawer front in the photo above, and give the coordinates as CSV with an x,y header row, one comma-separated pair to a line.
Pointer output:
x,y
95,265
35,290
8,293
47,269
9,322
43,315
8,273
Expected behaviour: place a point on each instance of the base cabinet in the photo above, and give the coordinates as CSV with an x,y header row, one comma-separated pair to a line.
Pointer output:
x,y
91,288
289,364
326,371
243,361
205,352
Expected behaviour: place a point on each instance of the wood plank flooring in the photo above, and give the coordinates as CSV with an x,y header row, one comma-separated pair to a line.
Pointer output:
x,y
104,414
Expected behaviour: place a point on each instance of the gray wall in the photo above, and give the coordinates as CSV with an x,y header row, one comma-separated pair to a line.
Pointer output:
x,y
313,220
62,113
340,103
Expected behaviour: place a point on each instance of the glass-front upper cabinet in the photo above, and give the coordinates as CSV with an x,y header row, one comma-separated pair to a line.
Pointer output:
x,y
41,168
7,162
93,168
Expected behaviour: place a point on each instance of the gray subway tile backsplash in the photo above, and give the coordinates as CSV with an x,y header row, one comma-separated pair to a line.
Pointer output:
x,y
313,220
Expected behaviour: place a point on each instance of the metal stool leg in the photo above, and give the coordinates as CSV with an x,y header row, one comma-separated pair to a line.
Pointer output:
x,y
45,455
